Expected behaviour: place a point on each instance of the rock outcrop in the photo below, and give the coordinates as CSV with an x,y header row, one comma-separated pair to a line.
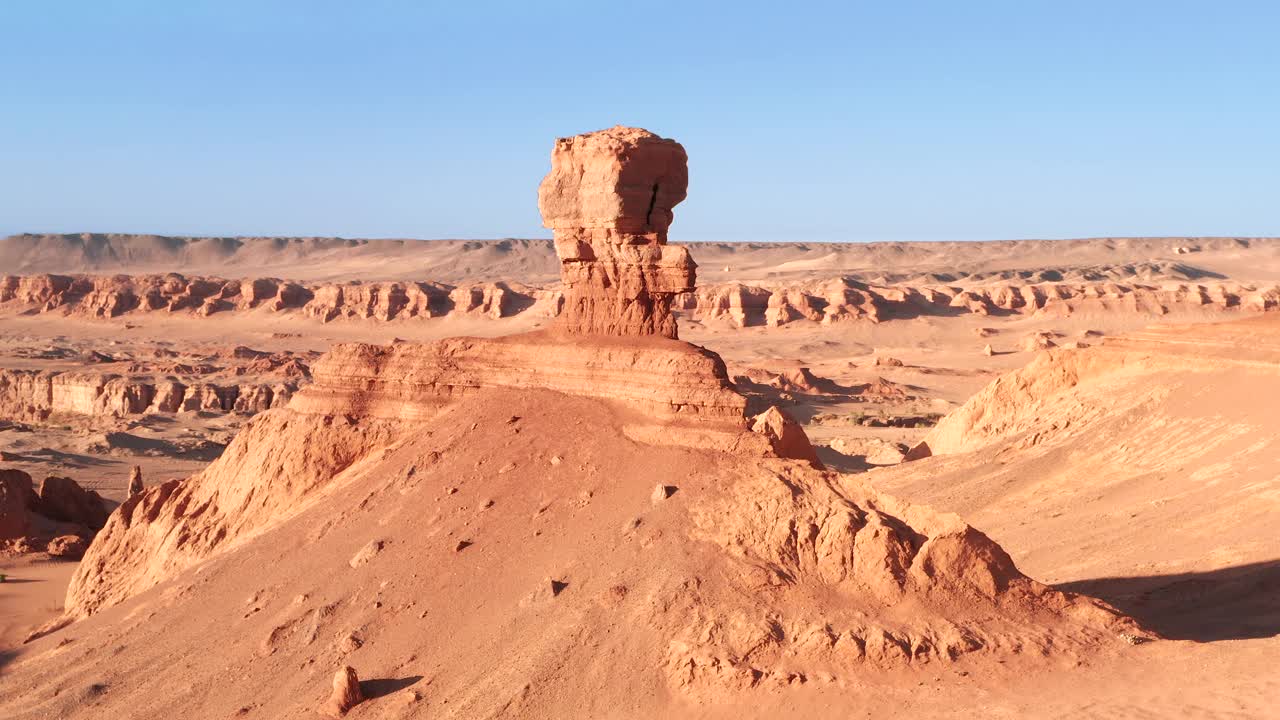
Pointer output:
x,y
346,693
17,500
50,519
608,271
135,481
106,297
609,199
63,499
38,395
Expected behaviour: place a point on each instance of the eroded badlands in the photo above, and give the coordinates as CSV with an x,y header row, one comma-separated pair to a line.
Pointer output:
x,y
614,476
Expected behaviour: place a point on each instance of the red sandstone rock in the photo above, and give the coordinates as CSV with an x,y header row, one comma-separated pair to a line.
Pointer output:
x,y
16,500
71,547
135,481
609,199
785,436
346,693
63,499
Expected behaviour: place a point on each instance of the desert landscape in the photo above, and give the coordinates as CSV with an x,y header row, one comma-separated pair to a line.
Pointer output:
x,y
611,476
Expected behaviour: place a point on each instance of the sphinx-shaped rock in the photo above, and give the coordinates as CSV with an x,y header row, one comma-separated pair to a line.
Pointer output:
x,y
609,199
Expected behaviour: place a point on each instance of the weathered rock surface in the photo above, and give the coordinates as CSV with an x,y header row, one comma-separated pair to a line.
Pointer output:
x,y
785,436
100,296
667,379
63,499
665,272
609,200
38,395
346,692
17,500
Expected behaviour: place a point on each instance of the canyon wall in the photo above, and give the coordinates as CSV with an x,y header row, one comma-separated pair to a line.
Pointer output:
x,y
33,395
736,304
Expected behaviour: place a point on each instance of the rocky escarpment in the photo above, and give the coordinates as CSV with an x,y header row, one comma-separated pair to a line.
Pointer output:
x,y
736,304
609,199
844,299
38,395
665,380
118,295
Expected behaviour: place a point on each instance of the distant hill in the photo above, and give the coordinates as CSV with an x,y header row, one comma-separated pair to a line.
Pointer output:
x,y
533,261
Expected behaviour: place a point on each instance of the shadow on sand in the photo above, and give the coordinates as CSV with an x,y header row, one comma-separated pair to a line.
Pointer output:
x,y
377,688
1235,603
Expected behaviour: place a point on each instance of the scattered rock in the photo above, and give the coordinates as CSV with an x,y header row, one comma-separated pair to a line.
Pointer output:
x,y
71,547
986,350
349,643
886,361
366,553
785,436
346,693
462,545
662,492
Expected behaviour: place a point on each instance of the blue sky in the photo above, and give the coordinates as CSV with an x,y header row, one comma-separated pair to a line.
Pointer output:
x,y
910,120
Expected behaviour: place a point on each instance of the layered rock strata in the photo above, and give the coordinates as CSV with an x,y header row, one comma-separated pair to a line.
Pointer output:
x,y
113,296
737,304
609,199
33,395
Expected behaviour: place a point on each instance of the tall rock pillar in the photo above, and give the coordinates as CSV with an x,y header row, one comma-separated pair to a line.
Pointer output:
x,y
609,200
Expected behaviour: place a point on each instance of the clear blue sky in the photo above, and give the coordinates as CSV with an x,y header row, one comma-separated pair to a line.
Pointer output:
x,y
844,121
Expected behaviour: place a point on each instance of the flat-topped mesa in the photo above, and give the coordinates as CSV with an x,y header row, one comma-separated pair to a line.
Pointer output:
x,y
609,199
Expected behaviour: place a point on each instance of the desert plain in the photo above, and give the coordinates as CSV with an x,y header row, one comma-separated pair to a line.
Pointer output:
x,y
611,475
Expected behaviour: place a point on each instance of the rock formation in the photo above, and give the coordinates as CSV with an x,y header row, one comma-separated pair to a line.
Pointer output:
x,y
609,199
666,274
135,481
63,499
17,499
107,297
38,395
346,692
57,519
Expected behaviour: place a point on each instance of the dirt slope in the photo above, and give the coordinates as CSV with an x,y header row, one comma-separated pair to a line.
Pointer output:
x,y
527,568
1146,470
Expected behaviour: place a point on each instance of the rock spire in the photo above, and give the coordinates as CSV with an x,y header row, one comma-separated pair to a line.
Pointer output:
x,y
609,200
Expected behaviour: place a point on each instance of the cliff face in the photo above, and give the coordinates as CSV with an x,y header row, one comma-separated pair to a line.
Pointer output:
x,y
629,270
117,295
663,379
38,395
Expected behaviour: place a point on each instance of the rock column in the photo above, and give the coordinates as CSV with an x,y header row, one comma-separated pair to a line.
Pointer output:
x,y
608,199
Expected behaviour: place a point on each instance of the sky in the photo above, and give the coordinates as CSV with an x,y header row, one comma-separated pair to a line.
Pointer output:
x,y
851,121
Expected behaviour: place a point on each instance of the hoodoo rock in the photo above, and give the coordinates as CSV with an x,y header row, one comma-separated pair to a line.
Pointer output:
x,y
609,199
135,481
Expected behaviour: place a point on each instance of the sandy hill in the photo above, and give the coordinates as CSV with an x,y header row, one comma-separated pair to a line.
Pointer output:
x,y
1145,470
511,557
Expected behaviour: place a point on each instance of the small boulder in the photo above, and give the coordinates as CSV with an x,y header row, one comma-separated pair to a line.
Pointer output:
x,y
662,492
366,553
785,435
346,693
986,350
71,547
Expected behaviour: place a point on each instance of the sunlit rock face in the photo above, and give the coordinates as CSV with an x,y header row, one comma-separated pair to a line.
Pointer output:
x,y
609,200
